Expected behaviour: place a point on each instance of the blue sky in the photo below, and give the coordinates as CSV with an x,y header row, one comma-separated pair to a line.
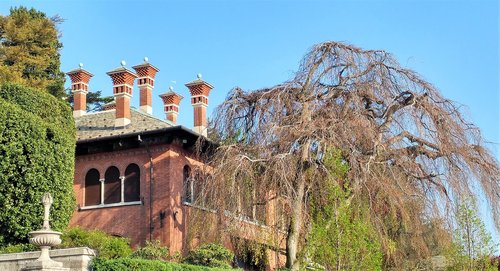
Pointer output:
x,y
254,44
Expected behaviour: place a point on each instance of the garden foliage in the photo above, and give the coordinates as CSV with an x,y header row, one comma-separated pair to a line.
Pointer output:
x,y
29,50
37,143
152,251
341,236
129,264
213,255
106,246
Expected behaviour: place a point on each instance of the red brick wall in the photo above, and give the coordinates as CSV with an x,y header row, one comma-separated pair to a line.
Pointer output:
x,y
145,96
123,107
80,101
200,116
133,221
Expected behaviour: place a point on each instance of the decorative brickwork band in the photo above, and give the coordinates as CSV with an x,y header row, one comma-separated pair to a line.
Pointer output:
x,y
199,90
171,101
79,87
109,106
146,79
123,82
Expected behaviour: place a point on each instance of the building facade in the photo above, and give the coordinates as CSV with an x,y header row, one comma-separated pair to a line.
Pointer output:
x,y
132,170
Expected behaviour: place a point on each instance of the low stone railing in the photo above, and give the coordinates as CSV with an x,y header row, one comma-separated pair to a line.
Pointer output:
x,y
76,259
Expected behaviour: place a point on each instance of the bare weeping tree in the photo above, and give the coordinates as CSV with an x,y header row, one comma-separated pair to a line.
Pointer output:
x,y
395,131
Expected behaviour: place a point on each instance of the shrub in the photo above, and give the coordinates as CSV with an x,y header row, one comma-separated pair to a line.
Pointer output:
x,y
106,246
251,253
17,248
129,264
213,255
152,251
37,145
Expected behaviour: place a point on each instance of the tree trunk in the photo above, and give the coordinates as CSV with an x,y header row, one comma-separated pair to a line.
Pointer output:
x,y
296,221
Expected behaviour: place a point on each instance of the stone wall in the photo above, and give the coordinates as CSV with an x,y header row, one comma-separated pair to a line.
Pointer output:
x,y
76,259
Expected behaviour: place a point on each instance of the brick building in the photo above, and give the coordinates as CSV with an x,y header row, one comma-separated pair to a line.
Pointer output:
x,y
132,170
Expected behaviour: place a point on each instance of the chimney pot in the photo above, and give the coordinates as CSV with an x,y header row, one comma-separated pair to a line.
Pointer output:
x,y
199,90
171,101
79,87
146,73
123,82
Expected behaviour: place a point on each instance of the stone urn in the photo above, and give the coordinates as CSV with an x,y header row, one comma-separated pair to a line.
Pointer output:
x,y
45,238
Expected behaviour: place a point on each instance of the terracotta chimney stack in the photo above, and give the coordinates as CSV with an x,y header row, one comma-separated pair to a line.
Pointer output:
x,y
171,101
79,87
146,81
199,90
123,83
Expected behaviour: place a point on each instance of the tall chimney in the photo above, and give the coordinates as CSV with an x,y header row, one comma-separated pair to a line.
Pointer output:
x,y
146,82
199,90
123,82
171,101
79,87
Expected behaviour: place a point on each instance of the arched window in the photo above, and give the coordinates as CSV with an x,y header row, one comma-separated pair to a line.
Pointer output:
x,y
92,188
188,184
132,183
112,186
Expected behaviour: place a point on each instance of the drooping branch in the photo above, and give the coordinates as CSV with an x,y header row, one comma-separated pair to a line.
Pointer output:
x,y
396,133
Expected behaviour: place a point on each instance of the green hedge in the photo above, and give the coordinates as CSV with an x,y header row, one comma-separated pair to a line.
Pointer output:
x,y
128,264
41,104
105,245
37,146
213,255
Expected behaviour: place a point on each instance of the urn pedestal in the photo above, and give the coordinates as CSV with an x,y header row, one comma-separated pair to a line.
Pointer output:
x,y
45,239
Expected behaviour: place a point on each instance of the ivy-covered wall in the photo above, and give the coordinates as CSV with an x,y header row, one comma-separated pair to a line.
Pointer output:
x,y
37,145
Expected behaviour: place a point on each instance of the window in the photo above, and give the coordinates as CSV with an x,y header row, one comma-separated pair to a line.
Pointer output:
x,y
92,188
188,185
193,186
112,186
113,190
251,199
132,183
197,188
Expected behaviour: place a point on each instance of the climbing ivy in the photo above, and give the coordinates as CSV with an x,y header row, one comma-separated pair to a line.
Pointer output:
x,y
37,143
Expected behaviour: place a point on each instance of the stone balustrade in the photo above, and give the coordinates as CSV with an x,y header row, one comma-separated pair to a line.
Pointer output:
x,y
76,259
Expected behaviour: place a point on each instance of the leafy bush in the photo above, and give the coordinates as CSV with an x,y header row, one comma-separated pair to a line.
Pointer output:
x,y
152,251
37,143
17,248
106,246
129,264
341,235
252,253
213,255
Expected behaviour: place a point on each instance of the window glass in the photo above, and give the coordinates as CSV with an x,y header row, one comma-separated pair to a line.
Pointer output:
x,y
132,184
188,185
197,188
92,188
112,186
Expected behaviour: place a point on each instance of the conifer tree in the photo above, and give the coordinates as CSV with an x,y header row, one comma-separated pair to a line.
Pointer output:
x,y
29,50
